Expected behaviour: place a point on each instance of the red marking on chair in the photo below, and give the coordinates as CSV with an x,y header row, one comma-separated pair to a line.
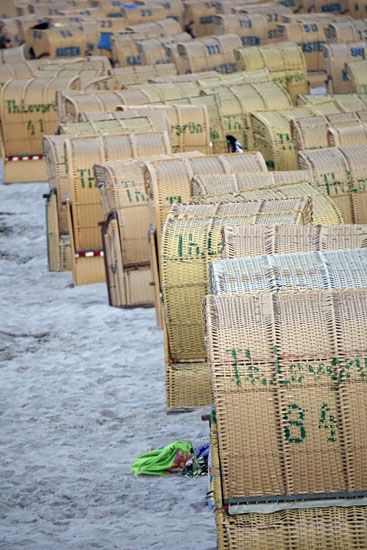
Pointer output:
x,y
89,254
15,158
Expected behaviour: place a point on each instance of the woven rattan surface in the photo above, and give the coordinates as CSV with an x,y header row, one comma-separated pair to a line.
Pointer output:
x,y
92,66
341,174
91,84
230,107
192,238
267,185
114,267
166,27
114,177
306,33
346,30
201,15
348,135
158,121
301,270
256,240
292,529
27,110
140,75
336,56
64,253
132,214
345,102
148,51
239,77
288,373
127,286
169,182
209,52
52,226
121,186
337,528
188,386
136,16
138,124
13,55
215,485
284,60
70,105
53,40
312,132
187,77
205,185
24,69
54,151
281,56
82,153
273,136
252,29
159,93
54,155
188,124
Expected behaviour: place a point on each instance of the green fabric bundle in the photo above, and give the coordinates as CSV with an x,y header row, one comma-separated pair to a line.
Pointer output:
x,y
168,460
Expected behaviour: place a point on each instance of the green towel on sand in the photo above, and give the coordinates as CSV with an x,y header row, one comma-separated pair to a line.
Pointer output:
x,y
167,460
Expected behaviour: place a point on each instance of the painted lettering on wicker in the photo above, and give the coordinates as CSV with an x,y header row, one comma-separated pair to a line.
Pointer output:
x,y
310,27
331,7
214,134
294,416
357,52
289,78
285,370
236,371
225,68
328,422
86,178
133,60
250,40
213,49
233,123
206,20
245,23
284,138
35,127
189,128
15,108
174,199
136,196
295,419
294,427
334,186
187,246
309,47
70,51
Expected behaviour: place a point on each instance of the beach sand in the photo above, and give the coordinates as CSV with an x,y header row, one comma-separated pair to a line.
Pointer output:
x,y
81,395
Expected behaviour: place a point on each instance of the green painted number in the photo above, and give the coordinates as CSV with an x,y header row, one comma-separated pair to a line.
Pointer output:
x,y
327,421
294,430
30,128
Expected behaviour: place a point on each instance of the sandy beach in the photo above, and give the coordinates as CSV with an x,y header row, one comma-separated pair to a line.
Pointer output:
x,y
81,395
